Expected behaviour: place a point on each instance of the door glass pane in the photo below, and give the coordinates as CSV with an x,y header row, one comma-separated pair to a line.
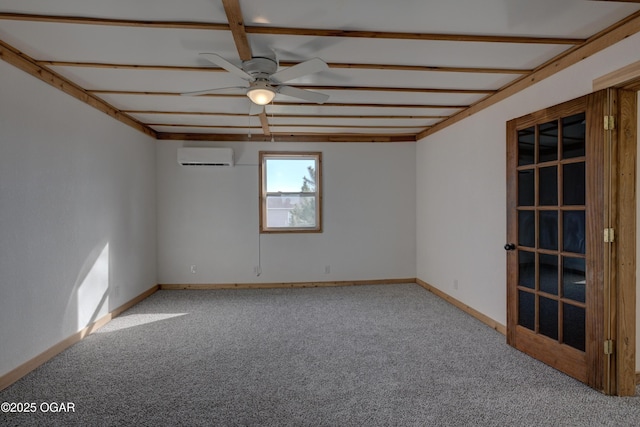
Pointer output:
x,y
548,189
574,231
548,273
526,195
548,318
526,229
574,278
527,269
548,143
573,329
573,136
573,182
548,238
526,310
526,144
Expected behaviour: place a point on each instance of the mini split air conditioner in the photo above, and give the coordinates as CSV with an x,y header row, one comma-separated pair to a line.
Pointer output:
x,y
205,156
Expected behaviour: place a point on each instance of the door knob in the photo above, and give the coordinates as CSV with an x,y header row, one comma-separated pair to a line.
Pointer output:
x,y
509,247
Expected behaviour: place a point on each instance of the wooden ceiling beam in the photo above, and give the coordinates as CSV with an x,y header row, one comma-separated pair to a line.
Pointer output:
x,y
338,88
236,24
280,103
390,67
304,116
27,64
187,125
296,125
410,36
382,138
114,22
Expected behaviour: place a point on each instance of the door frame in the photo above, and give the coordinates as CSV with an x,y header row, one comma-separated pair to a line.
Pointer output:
x,y
623,201
625,85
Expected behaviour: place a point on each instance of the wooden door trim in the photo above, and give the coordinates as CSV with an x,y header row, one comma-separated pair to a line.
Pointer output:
x,y
626,77
624,248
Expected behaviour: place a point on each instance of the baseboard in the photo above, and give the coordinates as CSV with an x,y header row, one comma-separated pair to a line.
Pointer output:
x,y
174,286
472,312
14,375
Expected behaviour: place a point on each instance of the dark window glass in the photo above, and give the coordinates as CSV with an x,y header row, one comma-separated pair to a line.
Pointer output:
x,y
548,238
548,142
526,310
526,146
573,231
526,194
526,229
573,136
548,273
527,269
548,318
548,186
573,329
574,278
573,184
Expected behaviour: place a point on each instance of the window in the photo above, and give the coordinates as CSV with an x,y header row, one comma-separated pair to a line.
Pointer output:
x,y
290,192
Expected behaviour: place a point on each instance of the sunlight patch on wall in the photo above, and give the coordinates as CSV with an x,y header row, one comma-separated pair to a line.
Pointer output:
x,y
92,295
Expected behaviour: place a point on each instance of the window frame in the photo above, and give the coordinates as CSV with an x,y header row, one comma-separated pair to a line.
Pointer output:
x,y
262,188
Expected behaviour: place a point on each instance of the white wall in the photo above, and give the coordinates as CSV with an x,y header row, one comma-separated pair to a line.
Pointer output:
x,y
208,217
461,188
77,215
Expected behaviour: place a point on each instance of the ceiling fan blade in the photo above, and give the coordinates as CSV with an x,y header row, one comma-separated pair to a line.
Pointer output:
x,y
208,91
223,63
307,95
311,66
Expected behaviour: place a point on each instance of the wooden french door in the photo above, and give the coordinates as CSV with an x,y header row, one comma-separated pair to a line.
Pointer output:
x,y
556,202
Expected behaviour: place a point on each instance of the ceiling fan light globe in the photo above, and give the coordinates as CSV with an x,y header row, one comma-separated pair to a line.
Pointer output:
x,y
261,96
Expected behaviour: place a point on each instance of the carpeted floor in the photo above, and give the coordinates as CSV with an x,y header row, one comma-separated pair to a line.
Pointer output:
x,y
355,356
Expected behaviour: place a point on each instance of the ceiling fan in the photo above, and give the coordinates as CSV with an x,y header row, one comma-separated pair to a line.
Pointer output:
x,y
264,79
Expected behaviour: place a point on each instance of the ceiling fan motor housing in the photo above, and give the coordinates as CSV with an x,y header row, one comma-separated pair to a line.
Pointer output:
x,y
260,67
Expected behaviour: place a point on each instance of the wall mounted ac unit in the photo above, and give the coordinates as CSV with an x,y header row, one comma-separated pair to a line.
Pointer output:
x,y
205,156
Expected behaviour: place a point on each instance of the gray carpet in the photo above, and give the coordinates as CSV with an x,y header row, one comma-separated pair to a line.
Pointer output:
x,y
354,356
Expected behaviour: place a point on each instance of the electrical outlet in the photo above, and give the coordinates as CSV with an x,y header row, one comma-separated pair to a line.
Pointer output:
x,y
455,284
327,269
193,269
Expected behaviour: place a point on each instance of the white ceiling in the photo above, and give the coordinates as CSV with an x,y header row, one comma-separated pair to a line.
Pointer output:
x,y
93,55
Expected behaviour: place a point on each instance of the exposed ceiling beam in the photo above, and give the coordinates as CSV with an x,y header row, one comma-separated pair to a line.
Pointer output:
x,y
302,104
336,88
305,116
605,38
392,67
286,137
25,63
283,125
187,125
235,18
236,24
409,36
114,22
